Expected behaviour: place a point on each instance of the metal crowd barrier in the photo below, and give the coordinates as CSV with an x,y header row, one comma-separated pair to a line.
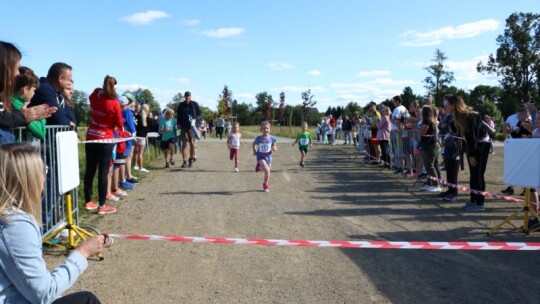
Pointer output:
x,y
53,204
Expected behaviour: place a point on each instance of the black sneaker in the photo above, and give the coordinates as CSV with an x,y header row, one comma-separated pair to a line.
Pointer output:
x,y
508,191
302,165
190,164
184,164
132,180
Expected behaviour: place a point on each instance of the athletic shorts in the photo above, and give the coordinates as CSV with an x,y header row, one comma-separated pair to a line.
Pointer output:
x,y
120,160
268,158
165,143
140,141
303,148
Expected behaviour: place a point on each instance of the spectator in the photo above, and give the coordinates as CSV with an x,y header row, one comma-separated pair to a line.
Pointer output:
x,y
10,58
188,113
347,126
70,109
452,153
24,277
469,125
429,146
128,104
51,90
220,127
339,127
26,84
143,125
106,116
383,135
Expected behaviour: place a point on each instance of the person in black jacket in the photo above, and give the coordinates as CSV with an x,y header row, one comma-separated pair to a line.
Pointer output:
x,y
468,125
187,114
51,92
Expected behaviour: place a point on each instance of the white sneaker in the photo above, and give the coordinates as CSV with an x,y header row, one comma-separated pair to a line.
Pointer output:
x,y
136,168
112,198
143,170
424,188
434,189
236,170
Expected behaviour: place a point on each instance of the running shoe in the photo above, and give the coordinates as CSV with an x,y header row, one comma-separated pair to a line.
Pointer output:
x,y
424,187
475,208
266,188
449,198
90,206
236,170
508,191
112,198
127,185
257,168
434,189
166,165
184,164
143,170
136,168
133,180
172,162
106,209
190,163
119,192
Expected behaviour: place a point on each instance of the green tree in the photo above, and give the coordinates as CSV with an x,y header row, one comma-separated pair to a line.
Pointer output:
x,y
517,59
82,108
490,108
145,96
408,97
307,103
352,107
176,100
482,93
440,78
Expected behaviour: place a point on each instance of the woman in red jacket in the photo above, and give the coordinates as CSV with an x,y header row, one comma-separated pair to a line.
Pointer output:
x,y
106,115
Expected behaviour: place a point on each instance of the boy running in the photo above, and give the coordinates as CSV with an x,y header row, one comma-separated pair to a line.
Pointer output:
x,y
263,146
304,142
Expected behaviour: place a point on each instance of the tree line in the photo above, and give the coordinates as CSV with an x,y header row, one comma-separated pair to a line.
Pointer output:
x,y
516,63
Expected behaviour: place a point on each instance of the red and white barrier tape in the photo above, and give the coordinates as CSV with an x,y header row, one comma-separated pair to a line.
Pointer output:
x,y
484,193
340,244
106,141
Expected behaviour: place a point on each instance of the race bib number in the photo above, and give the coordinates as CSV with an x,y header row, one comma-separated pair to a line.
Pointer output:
x,y
235,143
265,148
304,141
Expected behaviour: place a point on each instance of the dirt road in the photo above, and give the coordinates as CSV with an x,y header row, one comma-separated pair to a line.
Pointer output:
x,y
333,198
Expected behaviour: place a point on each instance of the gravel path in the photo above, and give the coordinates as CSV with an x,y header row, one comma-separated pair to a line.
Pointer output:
x,y
334,197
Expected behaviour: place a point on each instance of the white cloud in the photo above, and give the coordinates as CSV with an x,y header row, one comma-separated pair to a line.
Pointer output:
x,y
297,89
181,80
191,22
462,31
373,73
278,65
466,70
314,73
223,32
363,92
144,18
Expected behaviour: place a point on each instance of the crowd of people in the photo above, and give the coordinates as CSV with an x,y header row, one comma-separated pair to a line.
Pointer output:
x,y
410,141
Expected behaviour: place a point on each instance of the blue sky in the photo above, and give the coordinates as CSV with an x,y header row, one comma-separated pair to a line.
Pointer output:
x,y
343,50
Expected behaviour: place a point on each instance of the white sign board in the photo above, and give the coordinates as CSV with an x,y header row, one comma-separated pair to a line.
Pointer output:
x,y
67,158
522,162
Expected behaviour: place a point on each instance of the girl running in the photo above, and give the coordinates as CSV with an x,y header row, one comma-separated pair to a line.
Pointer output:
x,y
233,143
263,146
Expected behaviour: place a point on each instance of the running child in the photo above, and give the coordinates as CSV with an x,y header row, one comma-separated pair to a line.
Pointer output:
x,y
233,142
304,142
263,146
